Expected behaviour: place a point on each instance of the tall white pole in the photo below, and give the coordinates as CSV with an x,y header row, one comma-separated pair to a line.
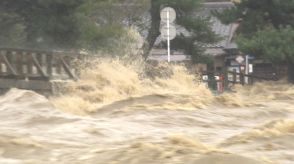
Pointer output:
x,y
168,37
247,69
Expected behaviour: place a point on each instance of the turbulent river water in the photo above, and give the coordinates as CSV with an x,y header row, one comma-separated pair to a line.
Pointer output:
x,y
114,115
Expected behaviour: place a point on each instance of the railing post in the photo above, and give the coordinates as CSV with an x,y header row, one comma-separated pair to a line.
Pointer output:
x,y
19,62
29,63
1,62
226,81
7,59
242,79
58,64
49,58
250,79
234,76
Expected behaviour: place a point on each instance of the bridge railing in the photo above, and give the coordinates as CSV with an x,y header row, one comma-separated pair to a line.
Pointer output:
x,y
226,79
36,65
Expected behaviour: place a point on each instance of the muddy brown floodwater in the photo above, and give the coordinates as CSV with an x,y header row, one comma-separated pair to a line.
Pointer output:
x,y
113,116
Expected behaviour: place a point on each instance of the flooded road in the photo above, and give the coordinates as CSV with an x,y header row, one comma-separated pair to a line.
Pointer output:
x,y
112,116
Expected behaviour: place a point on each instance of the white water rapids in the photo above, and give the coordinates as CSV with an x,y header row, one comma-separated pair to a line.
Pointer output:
x,y
112,116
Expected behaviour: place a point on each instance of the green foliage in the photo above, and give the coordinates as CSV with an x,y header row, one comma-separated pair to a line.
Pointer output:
x,y
46,23
104,22
66,24
259,14
273,44
267,29
11,33
95,25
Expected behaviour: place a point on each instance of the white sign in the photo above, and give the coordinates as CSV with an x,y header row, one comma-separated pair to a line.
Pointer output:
x,y
171,16
240,59
205,77
250,68
168,35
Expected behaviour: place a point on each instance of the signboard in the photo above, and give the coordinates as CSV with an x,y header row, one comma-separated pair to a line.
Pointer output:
x,y
168,14
250,68
240,59
171,34
205,77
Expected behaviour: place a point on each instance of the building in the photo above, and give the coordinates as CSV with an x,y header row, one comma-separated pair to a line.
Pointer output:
x,y
225,52
217,51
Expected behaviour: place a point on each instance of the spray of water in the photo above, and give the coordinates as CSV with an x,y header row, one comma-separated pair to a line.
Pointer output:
x,y
110,80
123,110
105,81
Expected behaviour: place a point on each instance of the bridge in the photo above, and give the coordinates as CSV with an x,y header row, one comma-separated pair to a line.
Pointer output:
x,y
35,69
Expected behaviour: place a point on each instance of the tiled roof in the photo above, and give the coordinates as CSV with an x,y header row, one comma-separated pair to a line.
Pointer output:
x,y
224,31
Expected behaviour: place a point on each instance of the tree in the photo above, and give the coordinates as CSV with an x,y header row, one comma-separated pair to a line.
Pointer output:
x,y
199,28
104,23
65,24
259,14
275,44
266,30
96,24
12,30
46,23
